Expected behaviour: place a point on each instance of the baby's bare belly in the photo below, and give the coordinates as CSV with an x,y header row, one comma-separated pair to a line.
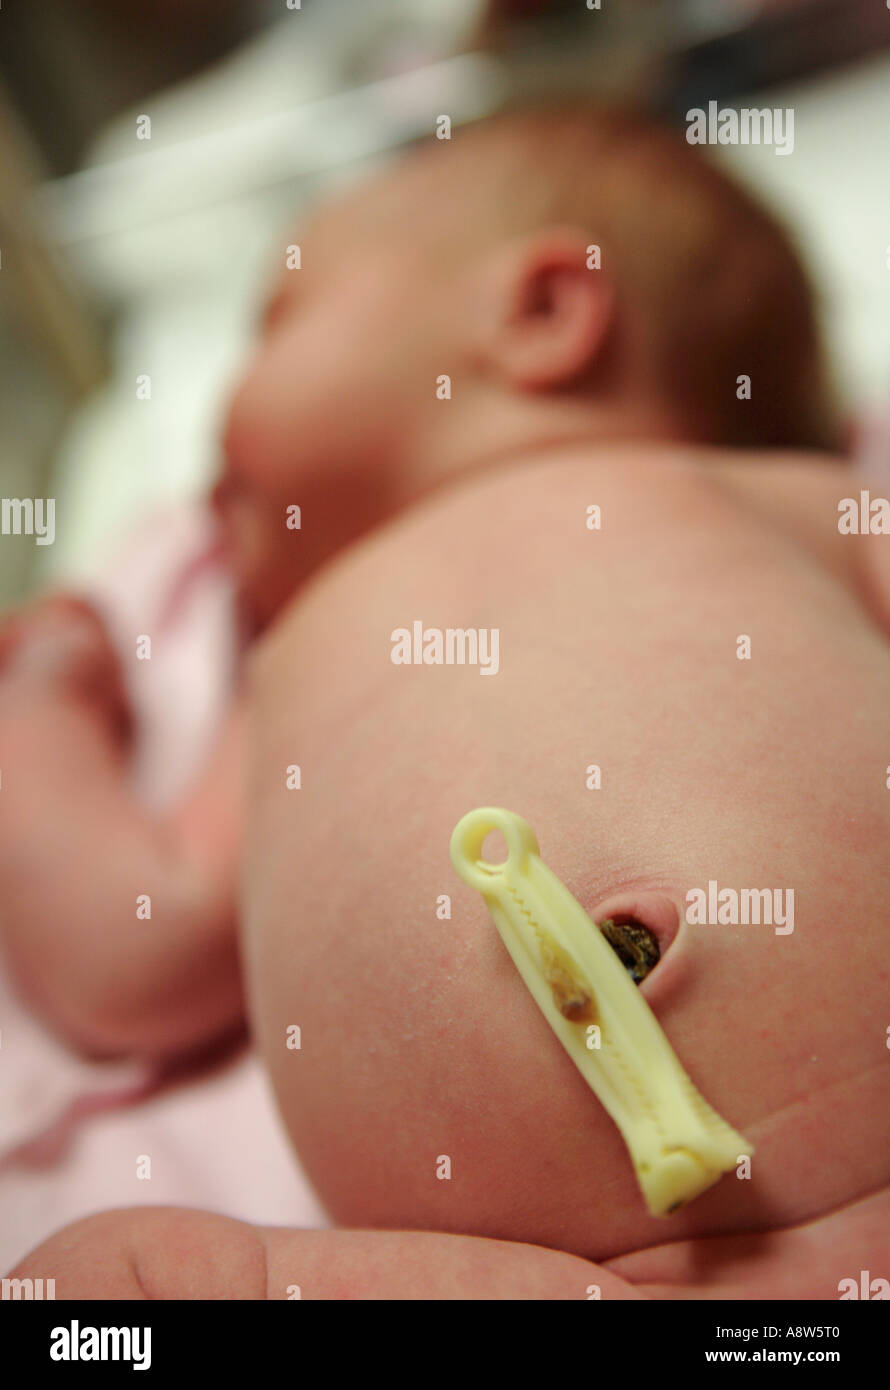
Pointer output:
x,y
614,713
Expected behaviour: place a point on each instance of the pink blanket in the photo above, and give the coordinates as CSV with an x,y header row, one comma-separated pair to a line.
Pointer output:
x,y
75,1135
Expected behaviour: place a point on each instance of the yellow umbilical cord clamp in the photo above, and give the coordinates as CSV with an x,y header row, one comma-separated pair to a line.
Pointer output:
x,y
678,1145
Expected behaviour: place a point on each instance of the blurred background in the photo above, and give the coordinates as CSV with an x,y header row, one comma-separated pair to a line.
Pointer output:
x,y
123,257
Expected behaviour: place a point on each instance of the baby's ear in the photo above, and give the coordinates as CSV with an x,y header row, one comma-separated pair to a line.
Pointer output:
x,y
548,313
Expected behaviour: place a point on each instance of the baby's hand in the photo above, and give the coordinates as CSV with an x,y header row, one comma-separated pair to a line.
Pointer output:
x,y
59,647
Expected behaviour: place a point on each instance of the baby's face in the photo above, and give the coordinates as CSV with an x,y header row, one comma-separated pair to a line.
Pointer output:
x,y
325,412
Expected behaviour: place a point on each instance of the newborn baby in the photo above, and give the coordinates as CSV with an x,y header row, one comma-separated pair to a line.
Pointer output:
x,y
690,657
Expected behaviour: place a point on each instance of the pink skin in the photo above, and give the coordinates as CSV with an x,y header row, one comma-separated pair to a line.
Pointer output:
x,y
61,643
172,1253
321,416
613,651
414,1062
338,411
434,1045
506,321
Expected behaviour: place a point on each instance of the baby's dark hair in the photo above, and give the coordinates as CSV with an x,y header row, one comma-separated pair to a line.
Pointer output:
x,y
710,286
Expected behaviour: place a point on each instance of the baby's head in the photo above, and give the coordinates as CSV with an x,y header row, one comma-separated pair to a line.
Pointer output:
x,y
547,276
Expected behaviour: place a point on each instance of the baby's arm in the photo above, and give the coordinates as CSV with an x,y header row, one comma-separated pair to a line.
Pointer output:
x,y
79,856
174,1253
